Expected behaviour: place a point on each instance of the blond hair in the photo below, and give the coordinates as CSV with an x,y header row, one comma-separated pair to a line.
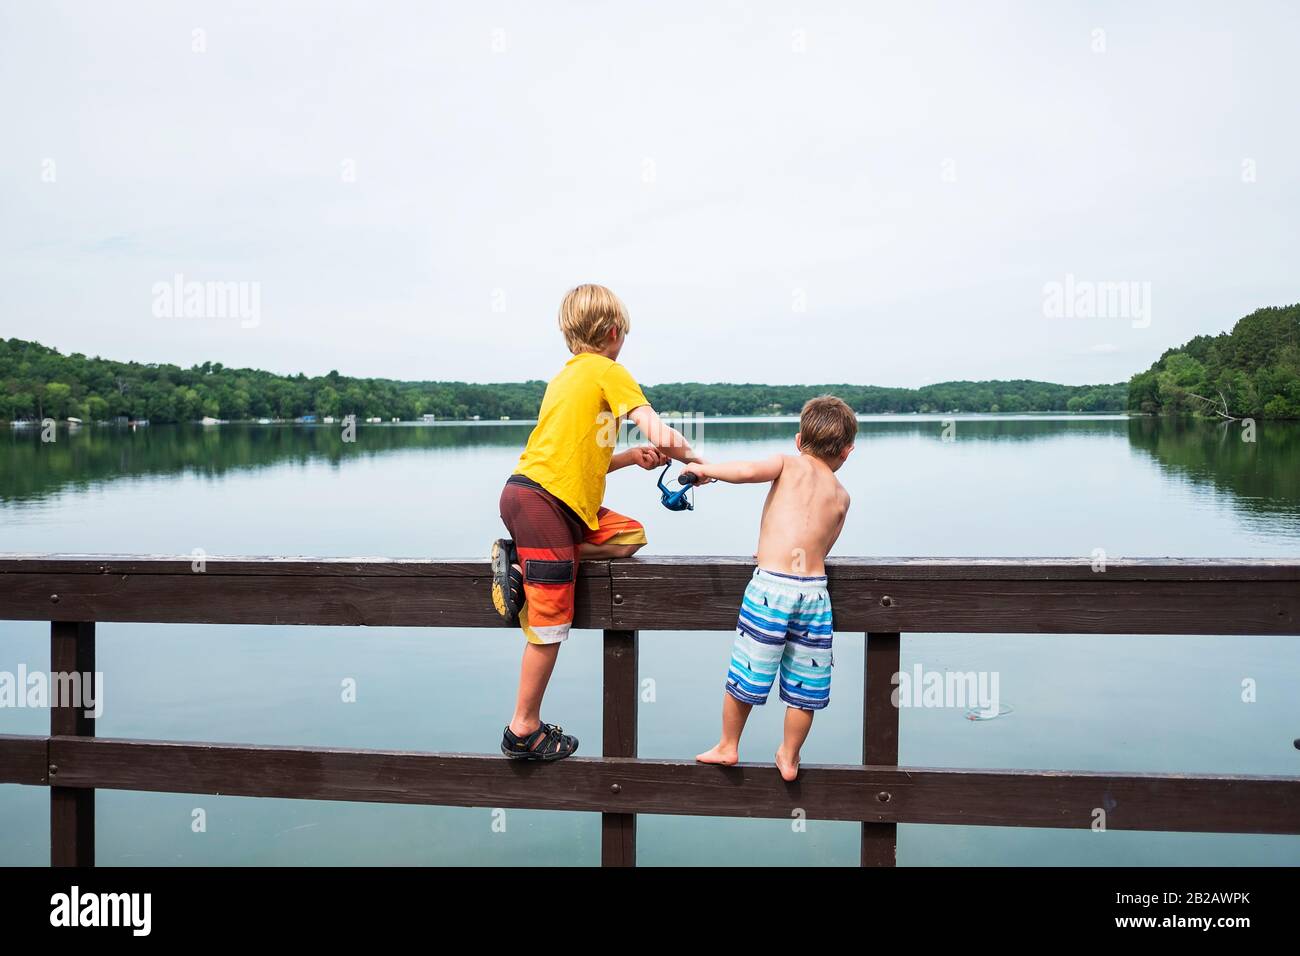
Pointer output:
x,y
827,426
586,316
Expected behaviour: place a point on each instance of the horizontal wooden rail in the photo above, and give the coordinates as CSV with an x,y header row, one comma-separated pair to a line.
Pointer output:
x,y
352,591
1029,595
944,595
877,794
24,759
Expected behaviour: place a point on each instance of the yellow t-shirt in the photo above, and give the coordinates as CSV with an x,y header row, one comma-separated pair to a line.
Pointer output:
x,y
569,450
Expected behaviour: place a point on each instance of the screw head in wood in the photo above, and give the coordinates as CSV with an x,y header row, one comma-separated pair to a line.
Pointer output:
x,y
615,788
618,599
883,796
54,768
886,601
54,599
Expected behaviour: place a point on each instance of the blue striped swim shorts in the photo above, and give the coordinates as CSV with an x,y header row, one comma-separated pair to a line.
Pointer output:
x,y
784,628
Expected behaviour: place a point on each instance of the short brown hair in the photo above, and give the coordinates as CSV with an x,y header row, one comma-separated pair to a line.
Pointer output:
x,y
586,316
827,426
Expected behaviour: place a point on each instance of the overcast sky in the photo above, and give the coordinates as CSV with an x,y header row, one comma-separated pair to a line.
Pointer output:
x,y
780,192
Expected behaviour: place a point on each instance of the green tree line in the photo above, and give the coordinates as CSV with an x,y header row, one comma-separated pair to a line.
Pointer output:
x,y
1252,371
1007,396
38,382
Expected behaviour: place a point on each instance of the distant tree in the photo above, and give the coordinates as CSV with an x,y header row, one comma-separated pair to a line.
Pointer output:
x,y
1252,371
57,397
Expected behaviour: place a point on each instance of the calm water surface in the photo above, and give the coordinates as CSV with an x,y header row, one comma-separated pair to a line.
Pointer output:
x,y
1003,486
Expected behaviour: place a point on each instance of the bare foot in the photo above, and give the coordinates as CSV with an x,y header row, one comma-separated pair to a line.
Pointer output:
x,y
789,768
720,755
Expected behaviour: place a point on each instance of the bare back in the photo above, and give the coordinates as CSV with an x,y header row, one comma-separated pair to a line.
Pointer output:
x,y
802,517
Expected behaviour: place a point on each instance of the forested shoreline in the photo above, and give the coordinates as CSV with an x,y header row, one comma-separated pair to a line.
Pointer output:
x,y
1251,371
39,382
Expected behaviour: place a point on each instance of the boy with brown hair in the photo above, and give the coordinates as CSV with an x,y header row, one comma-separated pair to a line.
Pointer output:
x,y
785,617
552,508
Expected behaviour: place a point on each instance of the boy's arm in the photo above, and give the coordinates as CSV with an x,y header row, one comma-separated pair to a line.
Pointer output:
x,y
835,535
663,436
647,456
740,472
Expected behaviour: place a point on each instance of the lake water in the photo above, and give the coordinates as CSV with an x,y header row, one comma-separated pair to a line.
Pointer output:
x,y
989,485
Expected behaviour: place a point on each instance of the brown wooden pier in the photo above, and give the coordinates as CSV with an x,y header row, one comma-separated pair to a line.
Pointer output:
x,y
879,597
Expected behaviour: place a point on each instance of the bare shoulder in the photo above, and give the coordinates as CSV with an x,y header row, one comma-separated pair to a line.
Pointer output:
x,y
781,464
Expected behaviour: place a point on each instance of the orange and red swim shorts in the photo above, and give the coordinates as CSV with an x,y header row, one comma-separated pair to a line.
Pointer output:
x,y
548,535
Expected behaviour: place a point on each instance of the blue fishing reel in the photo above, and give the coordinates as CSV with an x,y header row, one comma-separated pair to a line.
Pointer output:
x,y
677,500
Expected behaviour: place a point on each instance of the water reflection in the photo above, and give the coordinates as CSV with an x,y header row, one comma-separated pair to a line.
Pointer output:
x,y
1260,478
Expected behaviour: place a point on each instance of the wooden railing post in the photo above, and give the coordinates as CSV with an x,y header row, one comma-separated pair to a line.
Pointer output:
x,y
72,809
880,737
618,830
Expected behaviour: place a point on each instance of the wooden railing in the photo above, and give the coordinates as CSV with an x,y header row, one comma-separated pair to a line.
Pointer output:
x,y
881,598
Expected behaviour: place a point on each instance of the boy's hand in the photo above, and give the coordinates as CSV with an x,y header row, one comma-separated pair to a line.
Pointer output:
x,y
648,457
697,468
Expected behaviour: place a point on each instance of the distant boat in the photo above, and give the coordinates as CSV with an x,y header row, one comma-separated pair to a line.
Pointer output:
x,y
22,423
264,421
306,419
396,419
374,421
74,421
328,419
209,420
474,418
505,418
428,418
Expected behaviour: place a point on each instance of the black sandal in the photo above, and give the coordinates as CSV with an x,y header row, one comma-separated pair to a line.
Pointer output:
x,y
507,581
547,742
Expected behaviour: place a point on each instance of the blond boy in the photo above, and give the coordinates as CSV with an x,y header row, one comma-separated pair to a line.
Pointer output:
x,y
552,504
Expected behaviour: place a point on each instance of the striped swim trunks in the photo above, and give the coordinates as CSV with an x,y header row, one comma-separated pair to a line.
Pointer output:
x,y
784,628
549,537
